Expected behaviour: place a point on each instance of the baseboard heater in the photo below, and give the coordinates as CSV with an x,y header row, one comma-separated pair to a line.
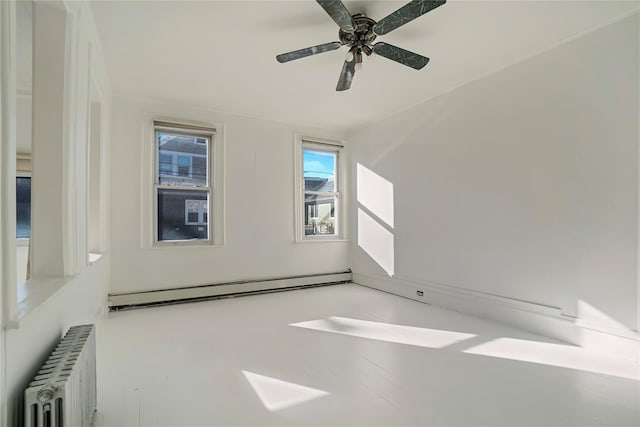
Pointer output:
x,y
63,392
130,300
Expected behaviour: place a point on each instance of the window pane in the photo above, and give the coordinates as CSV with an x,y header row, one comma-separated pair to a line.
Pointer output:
x,y
199,168
179,214
319,215
23,207
183,165
196,211
177,159
319,170
166,164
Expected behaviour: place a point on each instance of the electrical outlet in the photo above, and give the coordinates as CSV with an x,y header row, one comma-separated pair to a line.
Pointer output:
x,y
420,293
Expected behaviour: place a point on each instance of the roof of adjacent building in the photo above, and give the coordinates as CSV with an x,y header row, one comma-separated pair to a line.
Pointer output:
x,y
319,184
182,144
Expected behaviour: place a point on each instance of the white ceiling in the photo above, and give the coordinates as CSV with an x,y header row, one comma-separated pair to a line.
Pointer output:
x,y
221,54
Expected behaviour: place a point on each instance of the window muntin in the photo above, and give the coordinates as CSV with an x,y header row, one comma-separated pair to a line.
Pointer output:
x,y
320,190
183,187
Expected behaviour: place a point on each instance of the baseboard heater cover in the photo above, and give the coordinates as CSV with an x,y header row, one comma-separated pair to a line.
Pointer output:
x,y
63,392
130,300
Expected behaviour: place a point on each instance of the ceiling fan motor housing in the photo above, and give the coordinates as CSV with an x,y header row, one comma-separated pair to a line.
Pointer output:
x,y
360,40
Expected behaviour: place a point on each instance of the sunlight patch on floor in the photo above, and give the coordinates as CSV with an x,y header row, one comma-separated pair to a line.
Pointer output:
x,y
400,334
564,356
278,394
551,354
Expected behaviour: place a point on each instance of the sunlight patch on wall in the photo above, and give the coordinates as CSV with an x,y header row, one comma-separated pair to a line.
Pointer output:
x,y
278,394
389,332
376,241
375,217
590,316
375,193
560,355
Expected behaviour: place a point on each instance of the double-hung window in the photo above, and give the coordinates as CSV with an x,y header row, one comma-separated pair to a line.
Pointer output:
x,y
319,190
183,188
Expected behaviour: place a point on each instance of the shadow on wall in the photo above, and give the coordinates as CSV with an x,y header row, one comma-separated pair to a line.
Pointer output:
x,y
375,217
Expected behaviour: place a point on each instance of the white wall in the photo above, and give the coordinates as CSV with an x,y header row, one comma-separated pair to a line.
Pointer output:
x,y
22,257
518,189
259,190
23,123
49,304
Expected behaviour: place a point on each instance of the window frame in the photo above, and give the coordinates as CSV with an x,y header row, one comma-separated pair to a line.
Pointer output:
x,y
303,143
194,131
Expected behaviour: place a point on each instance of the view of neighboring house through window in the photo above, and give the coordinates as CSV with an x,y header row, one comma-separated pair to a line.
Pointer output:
x,y
183,187
23,207
196,212
320,189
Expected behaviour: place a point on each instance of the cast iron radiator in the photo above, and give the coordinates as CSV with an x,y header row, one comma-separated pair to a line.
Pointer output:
x,y
63,392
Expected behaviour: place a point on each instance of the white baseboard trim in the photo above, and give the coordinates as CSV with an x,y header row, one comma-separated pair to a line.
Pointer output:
x,y
537,318
166,296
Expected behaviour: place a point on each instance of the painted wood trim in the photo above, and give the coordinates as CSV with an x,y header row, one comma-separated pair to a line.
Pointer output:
x,y
8,298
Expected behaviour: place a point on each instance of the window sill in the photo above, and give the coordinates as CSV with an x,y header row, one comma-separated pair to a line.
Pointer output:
x,y
36,293
33,294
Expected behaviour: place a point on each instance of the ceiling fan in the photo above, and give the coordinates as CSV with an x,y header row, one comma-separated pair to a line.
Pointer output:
x,y
358,31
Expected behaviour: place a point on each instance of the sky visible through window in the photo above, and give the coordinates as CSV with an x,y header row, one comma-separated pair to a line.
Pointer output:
x,y
319,164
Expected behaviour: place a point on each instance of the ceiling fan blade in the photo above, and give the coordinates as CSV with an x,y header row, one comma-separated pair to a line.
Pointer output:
x,y
404,57
346,76
308,51
410,11
339,13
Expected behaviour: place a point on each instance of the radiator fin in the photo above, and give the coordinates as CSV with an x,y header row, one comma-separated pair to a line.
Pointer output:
x,y
63,392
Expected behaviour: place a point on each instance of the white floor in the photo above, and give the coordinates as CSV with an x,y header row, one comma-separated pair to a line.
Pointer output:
x,y
347,355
